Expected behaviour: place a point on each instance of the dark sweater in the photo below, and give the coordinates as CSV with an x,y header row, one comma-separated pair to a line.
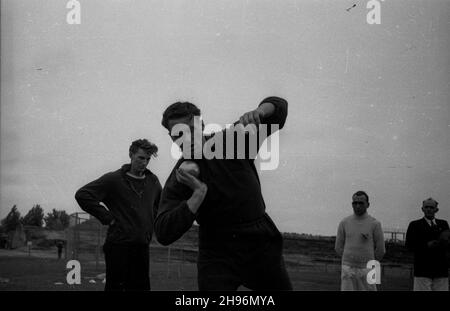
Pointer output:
x,y
132,207
234,192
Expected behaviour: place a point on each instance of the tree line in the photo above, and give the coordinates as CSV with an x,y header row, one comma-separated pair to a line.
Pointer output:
x,y
55,220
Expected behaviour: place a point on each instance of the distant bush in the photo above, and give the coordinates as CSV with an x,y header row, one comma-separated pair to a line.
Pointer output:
x,y
57,220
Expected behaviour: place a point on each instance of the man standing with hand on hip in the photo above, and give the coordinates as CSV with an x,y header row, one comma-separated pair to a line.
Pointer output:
x,y
131,196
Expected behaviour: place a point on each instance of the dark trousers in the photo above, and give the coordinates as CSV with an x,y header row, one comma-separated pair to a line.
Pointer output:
x,y
127,267
249,255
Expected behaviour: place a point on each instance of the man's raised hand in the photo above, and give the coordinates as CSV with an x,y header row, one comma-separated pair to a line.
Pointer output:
x,y
189,180
199,189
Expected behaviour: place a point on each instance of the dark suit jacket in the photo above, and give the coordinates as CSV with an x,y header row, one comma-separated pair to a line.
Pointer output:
x,y
428,262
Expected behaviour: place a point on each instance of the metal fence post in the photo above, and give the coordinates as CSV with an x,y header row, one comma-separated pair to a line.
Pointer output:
x,y
97,248
168,262
179,265
182,260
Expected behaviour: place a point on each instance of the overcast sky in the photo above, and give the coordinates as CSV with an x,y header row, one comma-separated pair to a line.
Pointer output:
x,y
368,104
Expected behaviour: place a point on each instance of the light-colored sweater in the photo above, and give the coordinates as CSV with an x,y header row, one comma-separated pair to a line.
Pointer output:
x,y
359,239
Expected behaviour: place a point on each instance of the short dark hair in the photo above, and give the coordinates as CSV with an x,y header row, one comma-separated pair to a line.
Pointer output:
x,y
145,145
430,201
179,110
360,193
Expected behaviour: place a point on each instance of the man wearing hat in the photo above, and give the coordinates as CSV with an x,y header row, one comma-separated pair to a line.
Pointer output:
x,y
427,238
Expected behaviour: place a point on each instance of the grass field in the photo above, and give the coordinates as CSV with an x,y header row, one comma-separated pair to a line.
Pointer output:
x,y
42,270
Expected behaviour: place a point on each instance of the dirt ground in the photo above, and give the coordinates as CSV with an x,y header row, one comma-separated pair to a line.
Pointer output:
x,y
42,271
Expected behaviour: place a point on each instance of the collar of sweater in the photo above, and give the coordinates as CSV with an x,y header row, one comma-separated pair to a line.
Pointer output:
x,y
126,168
362,217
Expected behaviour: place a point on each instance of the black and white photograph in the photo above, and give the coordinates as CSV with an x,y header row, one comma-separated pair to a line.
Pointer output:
x,y
251,147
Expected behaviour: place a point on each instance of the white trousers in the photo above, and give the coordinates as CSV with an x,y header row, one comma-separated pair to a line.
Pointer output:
x,y
355,279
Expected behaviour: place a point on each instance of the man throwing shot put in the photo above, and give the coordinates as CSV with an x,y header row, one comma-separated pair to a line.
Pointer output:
x,y
427,238
131,195
238,242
